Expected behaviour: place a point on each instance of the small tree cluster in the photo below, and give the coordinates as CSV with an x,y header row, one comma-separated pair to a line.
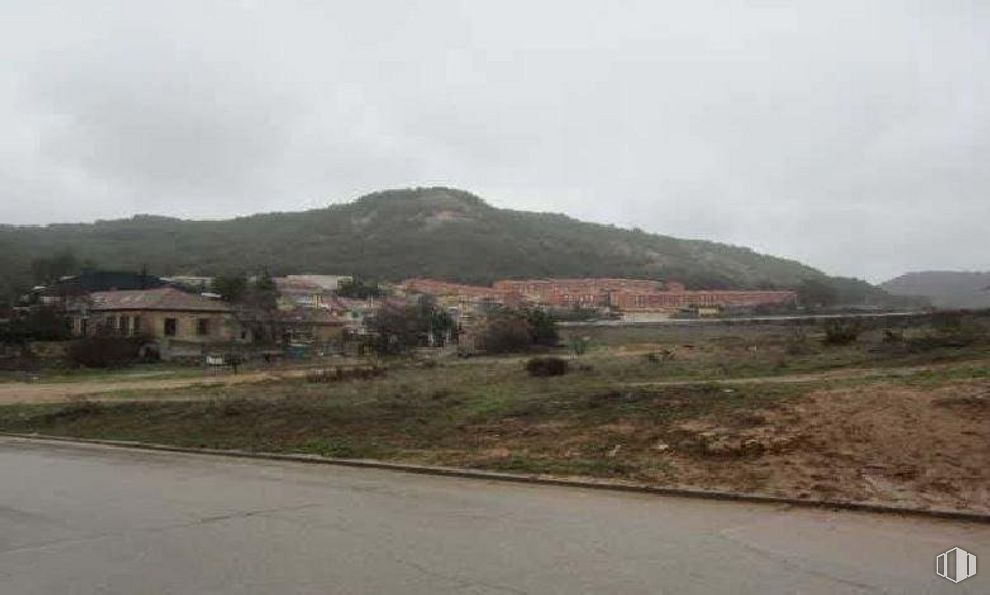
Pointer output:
x,y
42,323
360,289
47,270
508,331
105,351
231,288
841,332
397,329
258,303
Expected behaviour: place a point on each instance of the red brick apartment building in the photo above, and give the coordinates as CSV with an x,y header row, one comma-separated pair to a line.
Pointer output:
x,y
568,293
459,291
629,295
627,301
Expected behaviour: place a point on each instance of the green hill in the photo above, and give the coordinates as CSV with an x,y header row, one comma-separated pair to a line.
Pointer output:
x,y
945,289
395,234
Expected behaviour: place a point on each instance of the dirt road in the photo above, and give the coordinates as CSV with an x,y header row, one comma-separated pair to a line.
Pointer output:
x,y
55,392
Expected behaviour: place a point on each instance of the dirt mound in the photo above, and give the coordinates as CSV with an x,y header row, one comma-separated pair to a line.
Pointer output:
x,y
889,443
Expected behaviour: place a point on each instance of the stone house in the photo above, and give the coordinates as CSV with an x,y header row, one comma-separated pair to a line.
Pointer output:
x,y
181,323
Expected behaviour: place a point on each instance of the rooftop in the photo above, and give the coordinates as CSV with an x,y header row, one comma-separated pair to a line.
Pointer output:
x,y
165,298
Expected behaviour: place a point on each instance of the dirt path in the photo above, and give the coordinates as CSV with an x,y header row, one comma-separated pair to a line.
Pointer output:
x,y
55,392
29,392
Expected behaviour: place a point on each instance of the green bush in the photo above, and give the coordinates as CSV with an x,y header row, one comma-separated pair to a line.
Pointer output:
x,y
105,351
841,332
546,366
542,328
42,323
508,331
506,334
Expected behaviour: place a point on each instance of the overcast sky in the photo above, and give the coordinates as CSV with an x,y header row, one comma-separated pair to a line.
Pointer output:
x,y
854,136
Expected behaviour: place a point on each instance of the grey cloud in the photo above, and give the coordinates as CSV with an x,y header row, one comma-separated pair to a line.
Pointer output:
x,y
852,136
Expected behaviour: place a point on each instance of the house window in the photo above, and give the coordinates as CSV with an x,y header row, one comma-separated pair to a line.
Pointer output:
x,y
171,325
125,325
203,326
136,325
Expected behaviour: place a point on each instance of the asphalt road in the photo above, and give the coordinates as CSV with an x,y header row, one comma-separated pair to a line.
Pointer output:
x,y
90,519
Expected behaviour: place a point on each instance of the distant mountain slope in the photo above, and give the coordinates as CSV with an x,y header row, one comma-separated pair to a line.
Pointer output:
x,y
945,289
434,232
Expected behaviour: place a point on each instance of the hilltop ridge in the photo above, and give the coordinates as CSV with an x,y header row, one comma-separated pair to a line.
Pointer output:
x,y
437,232
945,289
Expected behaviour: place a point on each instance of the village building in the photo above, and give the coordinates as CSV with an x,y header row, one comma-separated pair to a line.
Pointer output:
x,y
180,323
459,293
73,286
703,301
312,312
323,282
312,326
465,303
622,295
309,291
574,293
300,293
190,282
354,313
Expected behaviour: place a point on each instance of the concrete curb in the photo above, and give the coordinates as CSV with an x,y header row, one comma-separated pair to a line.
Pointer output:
x,y
533,479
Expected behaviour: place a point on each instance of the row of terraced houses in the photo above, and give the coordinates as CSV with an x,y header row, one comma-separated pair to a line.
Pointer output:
x,y
623,295
309,310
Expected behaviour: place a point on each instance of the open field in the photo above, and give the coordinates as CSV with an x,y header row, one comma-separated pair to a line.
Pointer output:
x,y
903,420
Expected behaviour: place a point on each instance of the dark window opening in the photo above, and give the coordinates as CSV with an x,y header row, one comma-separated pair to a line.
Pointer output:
x,y
203,326
171,325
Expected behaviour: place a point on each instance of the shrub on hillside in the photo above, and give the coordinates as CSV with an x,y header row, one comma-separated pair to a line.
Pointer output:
x,y
542,328
505,334
841,332
397,329
546,366
510,331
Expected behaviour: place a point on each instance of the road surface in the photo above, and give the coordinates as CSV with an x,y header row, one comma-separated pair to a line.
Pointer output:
x,y
88,519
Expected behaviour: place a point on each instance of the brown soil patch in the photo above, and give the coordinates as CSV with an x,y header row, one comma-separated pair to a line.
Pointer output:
x,y
878,443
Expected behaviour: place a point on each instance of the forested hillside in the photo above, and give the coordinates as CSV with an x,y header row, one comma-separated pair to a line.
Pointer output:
x,y
945,289
395,234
